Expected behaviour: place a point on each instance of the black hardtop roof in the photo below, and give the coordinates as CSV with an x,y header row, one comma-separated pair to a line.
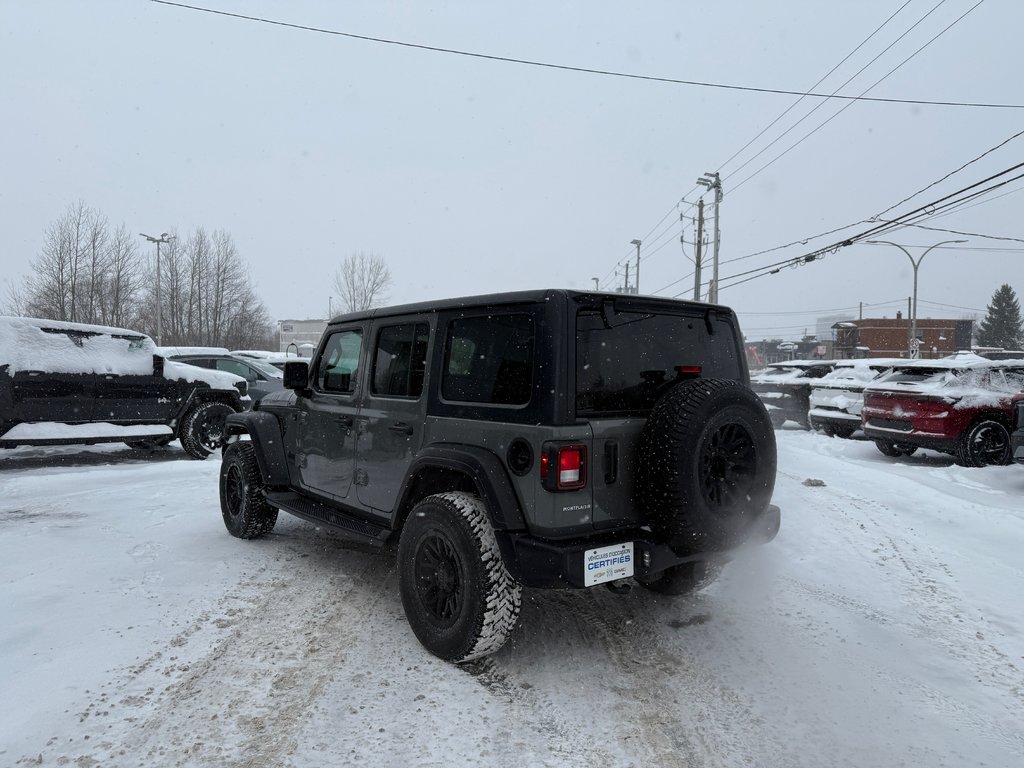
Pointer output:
x,y
515,297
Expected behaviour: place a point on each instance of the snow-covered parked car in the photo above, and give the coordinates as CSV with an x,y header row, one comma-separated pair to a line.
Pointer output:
x,y
785,388
65,383
838,397
276,359
960,405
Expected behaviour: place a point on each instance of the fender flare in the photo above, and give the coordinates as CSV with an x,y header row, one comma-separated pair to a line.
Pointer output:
x,y
267,437
483,468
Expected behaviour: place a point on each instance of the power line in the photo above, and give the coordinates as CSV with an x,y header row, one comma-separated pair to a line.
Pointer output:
x,y
847,106
987,152
820,81
921,213
850,79
587,70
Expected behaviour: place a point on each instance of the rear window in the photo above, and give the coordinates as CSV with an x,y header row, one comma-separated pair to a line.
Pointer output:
x,y
626,360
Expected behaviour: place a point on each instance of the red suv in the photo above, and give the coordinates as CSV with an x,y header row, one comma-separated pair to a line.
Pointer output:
x,y
959,405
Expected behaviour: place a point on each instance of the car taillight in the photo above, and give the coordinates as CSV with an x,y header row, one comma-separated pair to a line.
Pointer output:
x,y
563,467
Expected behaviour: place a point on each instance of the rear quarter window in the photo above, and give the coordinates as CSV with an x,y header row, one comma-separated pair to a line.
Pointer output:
x,y
489,359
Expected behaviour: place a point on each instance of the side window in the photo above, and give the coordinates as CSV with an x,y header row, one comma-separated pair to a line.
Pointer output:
x,y
489,360
400,360
338,369
237,368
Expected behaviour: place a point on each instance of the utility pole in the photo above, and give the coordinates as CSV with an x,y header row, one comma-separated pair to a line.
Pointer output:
x,y
698,249
164,238
714,182
626,287
637,244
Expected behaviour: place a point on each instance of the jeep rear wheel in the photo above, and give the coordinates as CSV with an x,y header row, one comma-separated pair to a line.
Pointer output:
x,y
202,428
458,597
243,503
705,465
984,443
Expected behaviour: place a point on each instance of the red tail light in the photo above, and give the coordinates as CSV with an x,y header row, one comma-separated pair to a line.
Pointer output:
x,y
570,467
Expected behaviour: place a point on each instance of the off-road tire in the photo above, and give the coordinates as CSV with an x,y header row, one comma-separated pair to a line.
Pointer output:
x,y
202,428
895,450
458,597
705,465
985,443
243,501
682,579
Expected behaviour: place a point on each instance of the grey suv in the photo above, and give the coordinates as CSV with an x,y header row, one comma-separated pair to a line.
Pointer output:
x,y
539,439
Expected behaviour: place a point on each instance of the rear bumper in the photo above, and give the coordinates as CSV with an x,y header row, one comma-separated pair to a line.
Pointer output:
x,y
936,441
546,563
819,416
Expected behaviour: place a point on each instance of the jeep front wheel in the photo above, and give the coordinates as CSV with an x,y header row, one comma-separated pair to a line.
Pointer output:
x,y
202,428
243,503
458,597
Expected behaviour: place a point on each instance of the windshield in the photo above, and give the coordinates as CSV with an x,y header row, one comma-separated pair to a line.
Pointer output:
x,y
265,368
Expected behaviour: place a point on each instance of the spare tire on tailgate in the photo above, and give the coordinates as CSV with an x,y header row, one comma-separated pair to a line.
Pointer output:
x,y
705,466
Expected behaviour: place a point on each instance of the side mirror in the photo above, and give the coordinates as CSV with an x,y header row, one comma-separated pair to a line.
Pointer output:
x,y
296,375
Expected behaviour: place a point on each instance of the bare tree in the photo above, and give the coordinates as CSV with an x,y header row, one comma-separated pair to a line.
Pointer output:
x,y
89,272
362,281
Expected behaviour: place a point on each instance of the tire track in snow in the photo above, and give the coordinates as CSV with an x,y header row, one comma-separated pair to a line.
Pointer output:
x,y
935,615
234,688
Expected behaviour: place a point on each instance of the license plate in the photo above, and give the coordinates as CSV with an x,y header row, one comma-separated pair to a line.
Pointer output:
x,y
607,563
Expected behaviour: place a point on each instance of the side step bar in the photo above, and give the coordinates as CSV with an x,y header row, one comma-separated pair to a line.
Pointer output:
x,y
345,525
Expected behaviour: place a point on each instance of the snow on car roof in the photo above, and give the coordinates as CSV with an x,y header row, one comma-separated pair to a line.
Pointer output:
x,y
172,351
33,344
54,346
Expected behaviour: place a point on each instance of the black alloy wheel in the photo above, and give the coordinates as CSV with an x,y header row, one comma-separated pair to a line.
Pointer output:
x,y
728,467
440,578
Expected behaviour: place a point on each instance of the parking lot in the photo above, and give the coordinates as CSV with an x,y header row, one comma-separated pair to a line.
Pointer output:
x,y
882,627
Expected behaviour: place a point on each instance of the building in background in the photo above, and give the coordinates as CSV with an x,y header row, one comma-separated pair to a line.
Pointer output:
x,y
890,337
300,336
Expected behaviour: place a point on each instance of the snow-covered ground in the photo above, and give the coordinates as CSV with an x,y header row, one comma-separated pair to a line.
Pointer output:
x,y
882,628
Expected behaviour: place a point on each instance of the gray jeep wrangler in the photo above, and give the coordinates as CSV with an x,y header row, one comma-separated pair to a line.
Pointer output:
x,y
541,439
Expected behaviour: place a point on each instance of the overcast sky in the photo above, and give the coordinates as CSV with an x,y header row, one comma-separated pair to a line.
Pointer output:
x,y
473,176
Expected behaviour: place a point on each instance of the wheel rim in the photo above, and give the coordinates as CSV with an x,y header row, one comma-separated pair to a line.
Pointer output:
x,y
211,431
728,466
234,491
439,581
990,444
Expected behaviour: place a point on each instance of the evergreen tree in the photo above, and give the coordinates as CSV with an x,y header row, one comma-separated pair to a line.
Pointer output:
x,y
1002,325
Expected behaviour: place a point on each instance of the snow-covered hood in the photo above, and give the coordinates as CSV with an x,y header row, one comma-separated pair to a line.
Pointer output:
x,y
970,384
174,369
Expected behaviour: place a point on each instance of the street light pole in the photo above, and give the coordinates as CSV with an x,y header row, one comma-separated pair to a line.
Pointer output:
x,y
913,312
637,244
164,238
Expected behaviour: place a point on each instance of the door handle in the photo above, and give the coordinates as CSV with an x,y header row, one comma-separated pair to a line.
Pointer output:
x,y
401,427
343,421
